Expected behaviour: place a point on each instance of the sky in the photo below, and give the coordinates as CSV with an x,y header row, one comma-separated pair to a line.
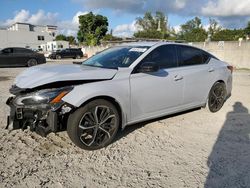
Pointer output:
x,y
122,14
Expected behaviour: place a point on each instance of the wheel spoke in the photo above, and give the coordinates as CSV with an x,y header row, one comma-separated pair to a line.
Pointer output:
x,y
96,114
105,112
108,117
93,137
89,119
105,131
86,128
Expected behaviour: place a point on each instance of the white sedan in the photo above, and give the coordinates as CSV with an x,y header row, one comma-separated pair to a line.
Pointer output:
x,y
120,86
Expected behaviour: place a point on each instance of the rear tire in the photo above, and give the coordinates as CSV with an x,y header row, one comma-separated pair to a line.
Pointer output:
x,y
78,57
31,62
216,97
94,125
58,57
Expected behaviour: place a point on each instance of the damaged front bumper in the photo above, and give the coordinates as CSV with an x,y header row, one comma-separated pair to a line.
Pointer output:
x,y
43,119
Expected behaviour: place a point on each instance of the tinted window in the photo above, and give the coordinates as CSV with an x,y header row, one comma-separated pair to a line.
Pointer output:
x,y
22,50
121,56
164,56
75,50
189,56
206,57
7,50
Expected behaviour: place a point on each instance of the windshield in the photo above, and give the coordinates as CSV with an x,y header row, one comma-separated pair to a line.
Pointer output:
x,y
116,57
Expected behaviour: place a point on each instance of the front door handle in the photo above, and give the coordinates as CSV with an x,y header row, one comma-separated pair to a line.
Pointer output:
x,y
178,77
211,70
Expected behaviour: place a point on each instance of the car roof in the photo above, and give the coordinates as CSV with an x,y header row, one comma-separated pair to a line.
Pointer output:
x,y
149,44
152,43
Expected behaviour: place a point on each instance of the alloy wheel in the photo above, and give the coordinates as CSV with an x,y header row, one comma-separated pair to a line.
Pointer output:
x,y
97,126
217,97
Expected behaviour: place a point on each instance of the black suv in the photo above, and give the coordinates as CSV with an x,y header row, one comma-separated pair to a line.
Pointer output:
x,y
15,56
75,53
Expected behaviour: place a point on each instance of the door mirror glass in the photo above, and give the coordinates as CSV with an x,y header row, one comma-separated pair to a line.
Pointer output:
x,y
148,67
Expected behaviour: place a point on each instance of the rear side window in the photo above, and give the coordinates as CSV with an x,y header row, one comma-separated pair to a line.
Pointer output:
x,y
190,56
164,56
22,50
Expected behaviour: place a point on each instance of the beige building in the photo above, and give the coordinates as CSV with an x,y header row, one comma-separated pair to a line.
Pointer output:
x,y
26,35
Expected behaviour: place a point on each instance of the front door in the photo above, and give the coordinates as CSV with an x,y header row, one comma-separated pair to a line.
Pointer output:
x,y
158,93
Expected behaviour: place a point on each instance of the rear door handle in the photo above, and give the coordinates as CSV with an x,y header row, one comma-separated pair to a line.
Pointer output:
x,y
178,77
211,70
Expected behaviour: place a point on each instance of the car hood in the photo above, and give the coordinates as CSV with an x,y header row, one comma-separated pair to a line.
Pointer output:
x,y
45,74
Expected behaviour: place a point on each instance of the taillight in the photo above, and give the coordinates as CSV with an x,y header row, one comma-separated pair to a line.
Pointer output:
x,y
231,68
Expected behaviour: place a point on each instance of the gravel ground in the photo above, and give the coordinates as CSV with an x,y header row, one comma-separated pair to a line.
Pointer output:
x,y
192,149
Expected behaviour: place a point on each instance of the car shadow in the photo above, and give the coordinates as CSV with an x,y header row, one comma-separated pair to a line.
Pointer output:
x,y
229,161
133,127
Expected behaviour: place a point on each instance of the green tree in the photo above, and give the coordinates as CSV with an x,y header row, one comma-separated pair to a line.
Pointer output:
x,y
228,35
152,26
214,27
247,29
61,37
92,28
71,39
192,31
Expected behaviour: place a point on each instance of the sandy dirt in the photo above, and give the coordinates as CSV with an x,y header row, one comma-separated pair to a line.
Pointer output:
x,y
192,149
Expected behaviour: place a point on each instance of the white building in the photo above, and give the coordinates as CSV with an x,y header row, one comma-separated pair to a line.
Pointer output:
x,y
26,35
54,45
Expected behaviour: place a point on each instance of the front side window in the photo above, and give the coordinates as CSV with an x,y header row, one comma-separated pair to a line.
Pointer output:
x,y
189,56
164,56
116,57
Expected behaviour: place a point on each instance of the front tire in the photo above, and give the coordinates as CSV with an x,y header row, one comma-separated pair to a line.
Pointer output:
x,y
216,98
94,125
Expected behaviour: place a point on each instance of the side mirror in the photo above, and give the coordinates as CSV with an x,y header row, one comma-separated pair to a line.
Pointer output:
x,y
148,67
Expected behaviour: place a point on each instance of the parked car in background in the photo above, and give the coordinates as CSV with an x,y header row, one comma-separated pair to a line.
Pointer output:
x,y
75,53
14,57
120,86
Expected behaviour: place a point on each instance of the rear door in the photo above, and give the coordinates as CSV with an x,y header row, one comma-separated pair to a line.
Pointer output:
x,y
21,56
197,74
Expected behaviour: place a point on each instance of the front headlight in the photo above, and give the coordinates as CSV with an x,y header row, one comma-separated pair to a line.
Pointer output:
x,y
48,96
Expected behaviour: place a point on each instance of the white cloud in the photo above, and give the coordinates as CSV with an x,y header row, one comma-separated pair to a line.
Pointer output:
x,y
227,8
139,6
125,30
180,4
70,27
40,17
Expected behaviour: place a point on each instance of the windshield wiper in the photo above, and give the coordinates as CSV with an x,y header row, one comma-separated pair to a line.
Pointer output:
x,y
100,66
